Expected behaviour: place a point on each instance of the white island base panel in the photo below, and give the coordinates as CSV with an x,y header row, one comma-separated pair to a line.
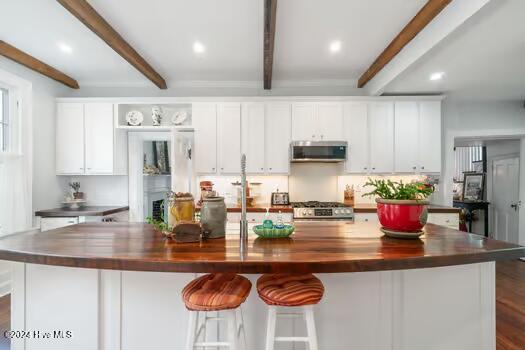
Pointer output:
x,y
444,308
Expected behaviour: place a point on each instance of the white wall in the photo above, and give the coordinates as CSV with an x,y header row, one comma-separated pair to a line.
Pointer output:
x,y
101,190
47,188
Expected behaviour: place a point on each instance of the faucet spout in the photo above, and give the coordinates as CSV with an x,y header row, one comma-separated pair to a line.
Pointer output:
x,y
244,222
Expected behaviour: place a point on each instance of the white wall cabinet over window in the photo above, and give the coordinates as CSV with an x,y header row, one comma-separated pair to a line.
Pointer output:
x,y
87,142
418,136
317,121
266,133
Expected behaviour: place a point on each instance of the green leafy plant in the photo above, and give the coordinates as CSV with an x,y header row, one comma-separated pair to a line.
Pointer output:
x,y
75,186
161,224
388,189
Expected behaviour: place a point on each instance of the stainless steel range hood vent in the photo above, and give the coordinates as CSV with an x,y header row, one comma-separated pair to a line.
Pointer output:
x,y
318,151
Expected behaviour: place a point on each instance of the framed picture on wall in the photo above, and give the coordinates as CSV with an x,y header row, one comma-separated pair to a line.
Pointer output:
x,y
473,187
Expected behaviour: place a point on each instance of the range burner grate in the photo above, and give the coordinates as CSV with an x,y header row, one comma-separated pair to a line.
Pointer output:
x,y
317,204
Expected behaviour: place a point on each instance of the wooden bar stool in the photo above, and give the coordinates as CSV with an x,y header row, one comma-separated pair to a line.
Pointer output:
x,y
301,291
216,292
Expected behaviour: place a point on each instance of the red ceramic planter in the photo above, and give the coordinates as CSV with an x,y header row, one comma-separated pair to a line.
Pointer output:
x,y
402,215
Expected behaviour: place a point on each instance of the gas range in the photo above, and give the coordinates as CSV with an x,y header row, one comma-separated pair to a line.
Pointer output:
x,y
322,211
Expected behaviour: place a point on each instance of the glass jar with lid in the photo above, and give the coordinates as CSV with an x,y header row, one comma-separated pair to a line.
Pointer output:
x,y
182,207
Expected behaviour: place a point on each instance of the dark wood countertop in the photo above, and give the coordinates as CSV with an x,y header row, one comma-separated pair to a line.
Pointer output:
x,y
371,208
314,247
90,210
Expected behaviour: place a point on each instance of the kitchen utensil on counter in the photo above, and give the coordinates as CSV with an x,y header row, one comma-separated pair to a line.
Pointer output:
x,y
213,217
349,196
182,207
280,198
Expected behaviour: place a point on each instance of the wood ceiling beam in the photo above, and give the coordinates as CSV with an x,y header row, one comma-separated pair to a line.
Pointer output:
x,y
270,14
82,10
30,62
427,13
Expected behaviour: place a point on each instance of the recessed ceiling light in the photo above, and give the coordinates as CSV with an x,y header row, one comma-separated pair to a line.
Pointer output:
x,y
198,47
65,48
437,76
335,46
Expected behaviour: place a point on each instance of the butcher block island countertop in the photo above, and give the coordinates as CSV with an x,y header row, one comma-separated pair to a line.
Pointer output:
x,y
314,247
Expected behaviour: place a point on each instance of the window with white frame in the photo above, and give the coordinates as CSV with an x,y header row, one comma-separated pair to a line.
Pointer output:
x,y
4,120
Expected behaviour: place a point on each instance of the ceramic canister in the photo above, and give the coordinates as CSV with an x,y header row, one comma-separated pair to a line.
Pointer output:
x,y
213,217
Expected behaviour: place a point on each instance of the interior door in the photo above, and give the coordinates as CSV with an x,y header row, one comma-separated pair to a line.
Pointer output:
x,y
278,136
330,121
381,123
253,137
304,122
406,136
70,138
505,199
204,119
99,138
355,129
229,137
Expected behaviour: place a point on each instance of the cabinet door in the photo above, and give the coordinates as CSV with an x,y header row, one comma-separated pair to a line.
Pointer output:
x,y
278,137
406,136
330,121
381,123
229,137
304,122
204,119
99,132
430,137
253,137
70,138
355,128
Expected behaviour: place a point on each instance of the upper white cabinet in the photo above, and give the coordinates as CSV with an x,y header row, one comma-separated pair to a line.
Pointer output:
x,y
253,137
70,138
418,136
430,136
317,121
87,142
278,134
355,128
229,137
204,118
381,133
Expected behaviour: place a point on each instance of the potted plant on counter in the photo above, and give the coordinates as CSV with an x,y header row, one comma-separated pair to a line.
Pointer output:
x,y
401,208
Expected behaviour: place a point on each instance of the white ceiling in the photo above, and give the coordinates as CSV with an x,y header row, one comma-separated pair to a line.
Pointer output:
x,y
163,31
483,59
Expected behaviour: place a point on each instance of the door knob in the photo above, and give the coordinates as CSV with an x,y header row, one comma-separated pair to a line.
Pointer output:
x,y
514,206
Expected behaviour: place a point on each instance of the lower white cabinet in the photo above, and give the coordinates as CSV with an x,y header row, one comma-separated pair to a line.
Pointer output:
x,y
450,220
257,218
87,142
47,224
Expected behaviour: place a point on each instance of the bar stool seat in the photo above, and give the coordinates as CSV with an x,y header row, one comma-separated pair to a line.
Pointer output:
x,y
290,290
217,292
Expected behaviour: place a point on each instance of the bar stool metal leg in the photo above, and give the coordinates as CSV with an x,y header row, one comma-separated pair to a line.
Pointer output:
x,y
270,330
192,328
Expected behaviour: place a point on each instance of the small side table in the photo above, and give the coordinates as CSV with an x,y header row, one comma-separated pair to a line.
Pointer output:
x,y
470,206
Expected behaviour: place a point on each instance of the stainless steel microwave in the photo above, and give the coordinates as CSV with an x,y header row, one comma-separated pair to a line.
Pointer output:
x,y
318,151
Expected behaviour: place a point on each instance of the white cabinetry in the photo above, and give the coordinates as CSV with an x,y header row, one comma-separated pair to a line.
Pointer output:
x,y
418,136
87,142
253,137
355,127
317,121
381,128
204,118
278,133
229,137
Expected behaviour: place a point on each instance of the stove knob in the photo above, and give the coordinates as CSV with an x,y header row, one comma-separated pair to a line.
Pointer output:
x,y
337,212
310,212
304,213
347,211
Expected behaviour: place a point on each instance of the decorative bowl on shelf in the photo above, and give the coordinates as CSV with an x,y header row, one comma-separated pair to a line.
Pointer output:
x,y
274,232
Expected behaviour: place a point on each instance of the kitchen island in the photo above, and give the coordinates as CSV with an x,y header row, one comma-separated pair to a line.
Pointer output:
x,y
117,285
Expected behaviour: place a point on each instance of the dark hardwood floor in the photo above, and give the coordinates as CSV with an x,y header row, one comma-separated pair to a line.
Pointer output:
x,y
510,307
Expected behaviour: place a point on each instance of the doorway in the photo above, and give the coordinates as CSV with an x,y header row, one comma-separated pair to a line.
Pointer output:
x,y
505,199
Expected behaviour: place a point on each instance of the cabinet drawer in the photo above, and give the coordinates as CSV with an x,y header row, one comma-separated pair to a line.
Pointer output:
x,y
366,217
449,219
47,224
258,217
